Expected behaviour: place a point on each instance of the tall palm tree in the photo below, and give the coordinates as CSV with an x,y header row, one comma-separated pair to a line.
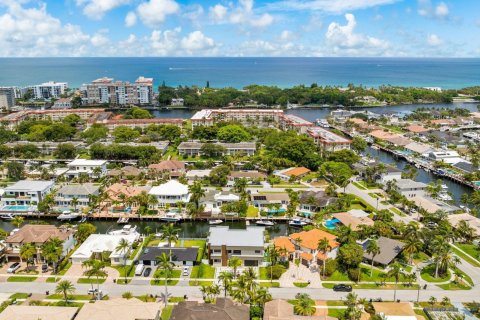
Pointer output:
x,y
196,193
374,250
234,263
166,266
123,246
346,234
169,233
74,203
27,252
412,246
304,306
95,268
395,272
65,287
52,251
225,278
272,254
261,296
323,246
18,221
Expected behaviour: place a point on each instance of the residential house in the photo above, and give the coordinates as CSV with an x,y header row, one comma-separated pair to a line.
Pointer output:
x,y
213,200
91,168
192,148
313,201
389,250
285,247
120,309
222,309
410,188
472,221
431,205
194,175
414,128
81,192
292,173
466,167
419,148
250,175
295,123
266,200
31,312
170,193
279,309
395,310
352,221
104,245
38,234
306,246
450,157
388,174
173,167
62,103
119,192
246,244
26,193
179,256
127,172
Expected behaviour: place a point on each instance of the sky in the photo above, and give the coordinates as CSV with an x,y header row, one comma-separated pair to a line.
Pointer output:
x,y
184,28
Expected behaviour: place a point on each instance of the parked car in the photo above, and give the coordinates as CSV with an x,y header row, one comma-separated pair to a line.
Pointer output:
x,y
93,291
342,288
147,272
185,271
44,268
14,267
139,269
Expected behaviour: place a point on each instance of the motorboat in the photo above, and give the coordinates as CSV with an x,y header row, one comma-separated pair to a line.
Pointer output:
x,y
84,218
267,223
68,215
444,186
7,217
296,222
127,229
444,196
170,217
122,220
214,222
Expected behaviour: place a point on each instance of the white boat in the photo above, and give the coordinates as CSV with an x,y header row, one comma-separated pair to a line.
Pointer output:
x,y
267,223
84,218
127,229
68,215
170,217
445,196
213,222
296,222
122,220
7,217
444,187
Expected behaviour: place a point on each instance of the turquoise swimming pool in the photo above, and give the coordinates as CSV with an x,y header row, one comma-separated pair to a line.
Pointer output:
x,y
332,223
16,208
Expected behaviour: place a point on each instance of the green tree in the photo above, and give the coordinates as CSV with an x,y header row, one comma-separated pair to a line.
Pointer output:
x,y
52,251
123,246
47,203
165,264
15,170
324,246
304,305
225,278
18,221
84,230
169,233
95,268
359,144
27,252
233,133
374,250
350,255
234,263
125,134
65,151
395,272
65,287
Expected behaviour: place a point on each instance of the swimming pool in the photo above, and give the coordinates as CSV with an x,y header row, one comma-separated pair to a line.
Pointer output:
x,y
332,223
16,208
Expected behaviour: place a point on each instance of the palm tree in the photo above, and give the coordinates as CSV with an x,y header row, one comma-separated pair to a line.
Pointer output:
x,y
304,306
27,252
395,272
166,266
52,251
225,278
95,268
412,246
18,221
272,254
210,292
123,246
197,192
374,250
346,234
65,287
234,263
169,233
74,203
261,296
324,246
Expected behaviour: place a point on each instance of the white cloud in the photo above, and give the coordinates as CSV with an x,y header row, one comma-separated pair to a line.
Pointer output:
x,y
342,40
286,35
218,13
194,13
330,6
197,41
427,9
263,48
263,21
130,19
95,9
99,39
434,40
441,10
154,12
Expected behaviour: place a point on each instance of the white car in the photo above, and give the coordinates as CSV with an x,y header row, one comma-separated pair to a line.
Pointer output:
x,y
185,271
14,267
139,269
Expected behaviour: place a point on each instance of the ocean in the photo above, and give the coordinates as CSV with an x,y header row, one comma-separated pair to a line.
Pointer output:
x,y
239,72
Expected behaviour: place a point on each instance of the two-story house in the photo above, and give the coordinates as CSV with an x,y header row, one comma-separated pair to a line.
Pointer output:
x,y
38,234
66,195
24,195
246,244
92,168
410,188
170,193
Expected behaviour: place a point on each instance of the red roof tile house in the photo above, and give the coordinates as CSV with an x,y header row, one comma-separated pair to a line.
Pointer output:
x,y
174,167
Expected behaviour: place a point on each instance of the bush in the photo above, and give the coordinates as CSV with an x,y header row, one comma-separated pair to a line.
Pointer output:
x,y
284,263
256,312
276,271
354,274
330,267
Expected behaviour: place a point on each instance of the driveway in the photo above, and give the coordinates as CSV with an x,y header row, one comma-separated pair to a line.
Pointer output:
x,y
300,274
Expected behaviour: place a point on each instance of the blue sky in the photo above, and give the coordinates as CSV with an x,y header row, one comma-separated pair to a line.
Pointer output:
x,y
386,28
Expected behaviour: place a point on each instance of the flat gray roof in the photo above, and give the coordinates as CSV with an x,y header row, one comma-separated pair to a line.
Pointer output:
x,y
250,237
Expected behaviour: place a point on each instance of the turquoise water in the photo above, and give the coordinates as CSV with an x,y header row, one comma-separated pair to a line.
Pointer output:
x,y
239,72
16,208
332,223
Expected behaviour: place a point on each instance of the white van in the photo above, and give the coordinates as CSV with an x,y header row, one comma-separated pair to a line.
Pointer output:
x,y
139,269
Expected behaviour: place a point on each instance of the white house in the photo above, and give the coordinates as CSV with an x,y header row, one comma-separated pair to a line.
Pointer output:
x,y
410,188
27,193
170,193
390,173
214,200
89,167
449,157
101,245
81,192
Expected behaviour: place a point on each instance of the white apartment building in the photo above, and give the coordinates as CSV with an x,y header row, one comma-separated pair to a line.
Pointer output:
x,y
170,193
7,98
26,193
328,140
107,91
257,117
48,90
89,167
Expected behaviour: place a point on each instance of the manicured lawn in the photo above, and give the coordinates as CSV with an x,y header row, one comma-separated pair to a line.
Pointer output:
x,y
252,212
419,257
135,252
471,249
358,185
335,303
201,244
21,279
336,313
462,255
19,295
202,271
129,270
301,284
273,284
389,286
454,286
376,276
91,280
397,211
146,298
57,296
167,312
161,282
264,273
428,274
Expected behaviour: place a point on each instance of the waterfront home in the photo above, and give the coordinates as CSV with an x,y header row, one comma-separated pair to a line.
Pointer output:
x,y
418,148
37,234
31,312
414,128
179,256
24,195
306,246
127,172
292,173
192,148
443,122
388,174
80,192
267,200
170,193
91,168
285,247
465,166
389,249
352,221
194,175
177,102
431,205
247,244
120,309
410,188
213,200
119,193
327,140
395,310
101,246
249,175
472,221
449,157
313,201
174,167
222,309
